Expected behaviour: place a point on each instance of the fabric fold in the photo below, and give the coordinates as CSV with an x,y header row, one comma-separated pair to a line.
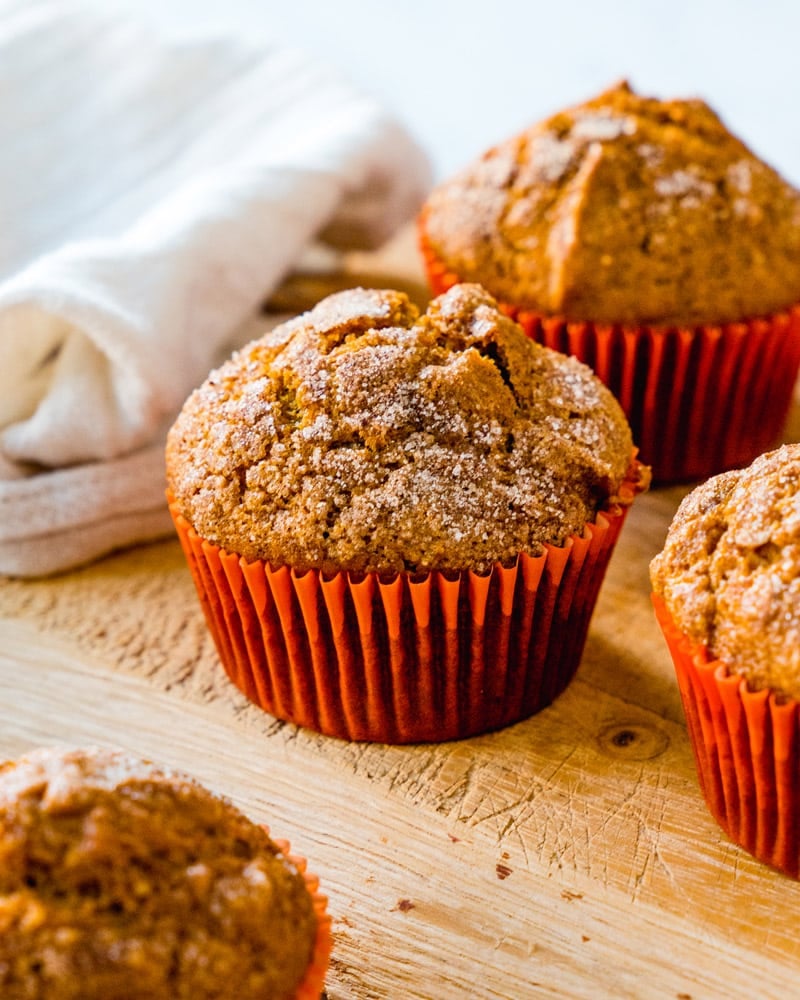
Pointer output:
x,y
174,194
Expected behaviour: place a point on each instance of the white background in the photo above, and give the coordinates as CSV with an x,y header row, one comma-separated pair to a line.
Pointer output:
x,y
463,75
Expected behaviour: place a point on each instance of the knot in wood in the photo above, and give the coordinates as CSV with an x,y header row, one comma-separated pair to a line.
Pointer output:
x,y
632,741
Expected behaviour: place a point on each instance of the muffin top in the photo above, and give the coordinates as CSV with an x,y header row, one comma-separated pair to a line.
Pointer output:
x,y
363,436
118,879
624,209
729,572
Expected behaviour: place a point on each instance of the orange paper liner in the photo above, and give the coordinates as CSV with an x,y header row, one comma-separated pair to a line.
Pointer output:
x,y
746,751
313,981
699,400
408,659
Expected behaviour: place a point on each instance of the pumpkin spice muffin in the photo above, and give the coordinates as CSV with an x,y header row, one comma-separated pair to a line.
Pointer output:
x,y
401,466
646,239
727,595
122,880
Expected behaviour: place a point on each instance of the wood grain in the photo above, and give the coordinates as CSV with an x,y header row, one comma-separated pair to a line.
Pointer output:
x,y
577,872
568,856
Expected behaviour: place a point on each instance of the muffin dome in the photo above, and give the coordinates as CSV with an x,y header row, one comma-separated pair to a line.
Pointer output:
x,y
624,209
363,436
118,879
729,572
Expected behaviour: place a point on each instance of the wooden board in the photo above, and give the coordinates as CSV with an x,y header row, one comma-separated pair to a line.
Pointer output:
x,y
568,856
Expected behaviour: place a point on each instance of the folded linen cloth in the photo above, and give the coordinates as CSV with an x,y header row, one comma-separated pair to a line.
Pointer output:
x,y
152,195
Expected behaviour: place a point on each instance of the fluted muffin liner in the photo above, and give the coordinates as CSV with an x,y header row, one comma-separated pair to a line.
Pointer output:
x,y
746,748
405,658
311,986
700,400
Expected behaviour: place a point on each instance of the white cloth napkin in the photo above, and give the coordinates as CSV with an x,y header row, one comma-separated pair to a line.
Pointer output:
x,y
152,194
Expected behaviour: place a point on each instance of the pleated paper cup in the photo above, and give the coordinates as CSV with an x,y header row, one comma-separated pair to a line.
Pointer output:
x,y
313,981
746,748
404,658
699,400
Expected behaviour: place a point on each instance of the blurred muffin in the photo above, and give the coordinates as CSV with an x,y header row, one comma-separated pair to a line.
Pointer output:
x,y
644,238
727,595
370,501
122,880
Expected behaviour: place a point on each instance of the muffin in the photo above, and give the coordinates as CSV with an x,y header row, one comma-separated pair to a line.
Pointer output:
x,y
122,880
727,596
398,523
645,239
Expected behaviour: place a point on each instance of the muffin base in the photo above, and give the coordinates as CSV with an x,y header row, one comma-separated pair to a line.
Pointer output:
x,y
404,659
700,400
746,748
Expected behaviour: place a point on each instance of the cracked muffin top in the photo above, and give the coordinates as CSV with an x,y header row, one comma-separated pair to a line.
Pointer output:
x,y
624,209
729,572
119,879
364,436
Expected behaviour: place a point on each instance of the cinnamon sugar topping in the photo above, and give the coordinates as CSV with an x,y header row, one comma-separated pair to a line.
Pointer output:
x,y
730,570
366,437
696,228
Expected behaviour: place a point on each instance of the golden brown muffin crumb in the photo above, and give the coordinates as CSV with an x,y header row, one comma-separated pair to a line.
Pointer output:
x,y
363,436
729,572
624,209
121,881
